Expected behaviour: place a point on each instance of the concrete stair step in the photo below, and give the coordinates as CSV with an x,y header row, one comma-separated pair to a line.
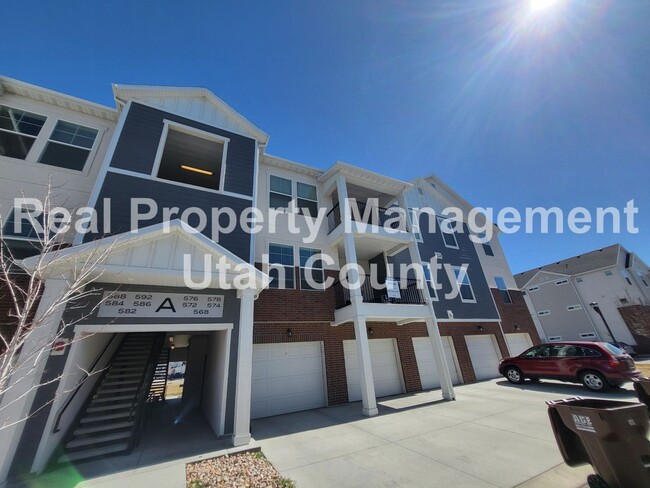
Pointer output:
x,y
93,453
118,398
108,426
106,408
98,439
111,390
91,419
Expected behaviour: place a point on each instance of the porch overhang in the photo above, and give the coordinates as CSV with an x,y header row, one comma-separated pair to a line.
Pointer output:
x,y
382,312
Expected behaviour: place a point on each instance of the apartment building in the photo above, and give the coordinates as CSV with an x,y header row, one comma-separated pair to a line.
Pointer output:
x,y
164,171
600,295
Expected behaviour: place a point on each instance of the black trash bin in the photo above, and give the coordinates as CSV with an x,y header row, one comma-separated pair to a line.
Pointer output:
x,y
609,435
642,388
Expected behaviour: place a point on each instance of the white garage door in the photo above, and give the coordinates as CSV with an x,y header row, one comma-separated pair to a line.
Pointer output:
x,y
385,368
484,355
287,378
518,343
427,365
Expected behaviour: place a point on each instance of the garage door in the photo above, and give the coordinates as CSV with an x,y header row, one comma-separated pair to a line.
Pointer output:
x,y
484,356
385,368
287,378
518,343
427,365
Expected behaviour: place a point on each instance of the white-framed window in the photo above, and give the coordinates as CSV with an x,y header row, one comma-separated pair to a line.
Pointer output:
x,y
25,228
554,338
608,272
18,131
446,227
463,284
572,308
626,276
533,288
315,269
414,218
428,276
541,313
561,282
69,146
579,279
281,255
307,201
282,191
191,157
503,289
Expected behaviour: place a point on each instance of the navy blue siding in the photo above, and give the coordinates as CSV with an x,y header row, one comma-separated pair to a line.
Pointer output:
x,y
140,137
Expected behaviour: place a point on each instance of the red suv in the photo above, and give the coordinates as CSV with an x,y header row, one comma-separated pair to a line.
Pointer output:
x,y
597,365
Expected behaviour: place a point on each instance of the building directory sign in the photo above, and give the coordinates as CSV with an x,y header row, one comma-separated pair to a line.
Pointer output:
x,y
160,305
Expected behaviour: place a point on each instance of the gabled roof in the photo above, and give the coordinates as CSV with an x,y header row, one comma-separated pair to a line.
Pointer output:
x,y
168,97
583,263
364,177
16,87
131,257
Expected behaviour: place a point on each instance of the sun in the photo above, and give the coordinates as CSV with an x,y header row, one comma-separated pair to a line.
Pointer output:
x,y
538,5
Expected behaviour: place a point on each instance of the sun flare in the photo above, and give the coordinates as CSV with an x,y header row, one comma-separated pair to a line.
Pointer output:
x,y
537,5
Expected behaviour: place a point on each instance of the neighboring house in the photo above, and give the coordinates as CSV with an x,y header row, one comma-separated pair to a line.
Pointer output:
x,y
283,345
560,295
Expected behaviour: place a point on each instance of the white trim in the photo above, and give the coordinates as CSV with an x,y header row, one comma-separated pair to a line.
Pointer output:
x,y
443,233
469,283
224,389
293,202
432,285
92,151
157,327
256,173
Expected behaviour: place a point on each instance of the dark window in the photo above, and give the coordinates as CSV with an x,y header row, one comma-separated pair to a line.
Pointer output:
x,y
69,146
537,352
280,254
18,131
503,289
588,352
307,199
315,269
463,283
25,227
280,193
446,227
191,159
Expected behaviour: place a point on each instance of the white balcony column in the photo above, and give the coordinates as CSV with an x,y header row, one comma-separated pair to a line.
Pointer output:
x,y
241,428
368,396
17,401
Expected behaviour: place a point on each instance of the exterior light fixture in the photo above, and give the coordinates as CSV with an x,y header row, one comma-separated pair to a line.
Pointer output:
x,y
371,331
480,327
596,308
171,338
196,170
517,327
289,332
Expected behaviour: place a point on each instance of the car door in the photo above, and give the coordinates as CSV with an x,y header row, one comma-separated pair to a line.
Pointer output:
x,y
534,361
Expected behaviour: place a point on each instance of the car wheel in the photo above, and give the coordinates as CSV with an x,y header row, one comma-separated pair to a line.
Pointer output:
x,y
513,375
595,481
593,381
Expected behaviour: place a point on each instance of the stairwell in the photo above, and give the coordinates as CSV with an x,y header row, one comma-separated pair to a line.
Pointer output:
x,y
110,422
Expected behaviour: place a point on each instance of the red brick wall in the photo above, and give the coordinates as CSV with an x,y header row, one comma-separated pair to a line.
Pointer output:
x,y
637,319
515,314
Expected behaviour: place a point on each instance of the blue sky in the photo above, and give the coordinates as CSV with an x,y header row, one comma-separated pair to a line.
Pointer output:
x,y
509,107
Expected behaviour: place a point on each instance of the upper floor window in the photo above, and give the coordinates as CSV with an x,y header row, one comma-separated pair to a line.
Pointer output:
x,y
446,227
503,289
282,255
192,157
487,247
69,146
463,284
315,268
28,225
307,199
626,276
18,131
428,276
414,217
281,193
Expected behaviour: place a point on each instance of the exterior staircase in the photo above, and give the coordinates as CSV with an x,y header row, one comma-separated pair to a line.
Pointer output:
x,y
110,422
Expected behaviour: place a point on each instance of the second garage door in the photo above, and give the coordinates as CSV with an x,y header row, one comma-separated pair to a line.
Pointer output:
x,y
385,368
518,343
287,378
427,365
484,355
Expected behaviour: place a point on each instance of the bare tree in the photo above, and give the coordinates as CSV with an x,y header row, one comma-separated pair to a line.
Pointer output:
x,y
31,335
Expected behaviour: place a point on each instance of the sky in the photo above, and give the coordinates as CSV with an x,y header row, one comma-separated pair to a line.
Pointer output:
x,y
511,106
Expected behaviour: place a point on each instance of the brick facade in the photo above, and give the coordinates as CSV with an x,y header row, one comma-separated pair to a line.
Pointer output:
x,y
515,316
637,319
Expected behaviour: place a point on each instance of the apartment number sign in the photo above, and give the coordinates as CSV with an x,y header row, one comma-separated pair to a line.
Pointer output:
x,y
160,305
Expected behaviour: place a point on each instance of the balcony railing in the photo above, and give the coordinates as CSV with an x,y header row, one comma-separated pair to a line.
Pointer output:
x,y
409,293
378,216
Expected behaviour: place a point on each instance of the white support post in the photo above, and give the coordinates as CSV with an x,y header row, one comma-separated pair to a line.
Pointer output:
x,y
241,429
368,396
16,403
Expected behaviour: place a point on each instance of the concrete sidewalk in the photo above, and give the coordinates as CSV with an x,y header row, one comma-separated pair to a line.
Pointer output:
x,y
494,434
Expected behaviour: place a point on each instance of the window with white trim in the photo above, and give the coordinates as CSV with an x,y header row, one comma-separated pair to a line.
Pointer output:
x,y
414,218
315,269
29,227
281,255
503,289
69,146
282,191
446,227
307,201
463,284
18,131
541,313
428,276
572,308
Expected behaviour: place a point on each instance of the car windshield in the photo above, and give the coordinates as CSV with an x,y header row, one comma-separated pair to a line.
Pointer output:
x,y
613,348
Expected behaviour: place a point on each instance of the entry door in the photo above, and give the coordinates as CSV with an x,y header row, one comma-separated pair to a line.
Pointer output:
x,y
287,378
385,368
518,343
429,376
484,355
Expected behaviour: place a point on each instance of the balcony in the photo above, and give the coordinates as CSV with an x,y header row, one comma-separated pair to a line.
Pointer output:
x,y
409,295
378,216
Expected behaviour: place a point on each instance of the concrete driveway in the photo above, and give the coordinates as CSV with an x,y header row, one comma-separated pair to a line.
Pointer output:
x,y
494,434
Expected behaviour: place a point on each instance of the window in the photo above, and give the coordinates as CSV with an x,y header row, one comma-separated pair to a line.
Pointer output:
x,y
579,279
554,338
624,301
280,254
541,313
503,289
280,192
69,146
588,352
572,308
192,158
315,269
18,131
608,272
463,284
626,276
561,282
414,217
587,335
487,247
307,199
26,227
533,288
428,276
446,227
537,352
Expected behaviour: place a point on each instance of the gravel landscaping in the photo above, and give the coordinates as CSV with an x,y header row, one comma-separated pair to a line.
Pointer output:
x,y
249,469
